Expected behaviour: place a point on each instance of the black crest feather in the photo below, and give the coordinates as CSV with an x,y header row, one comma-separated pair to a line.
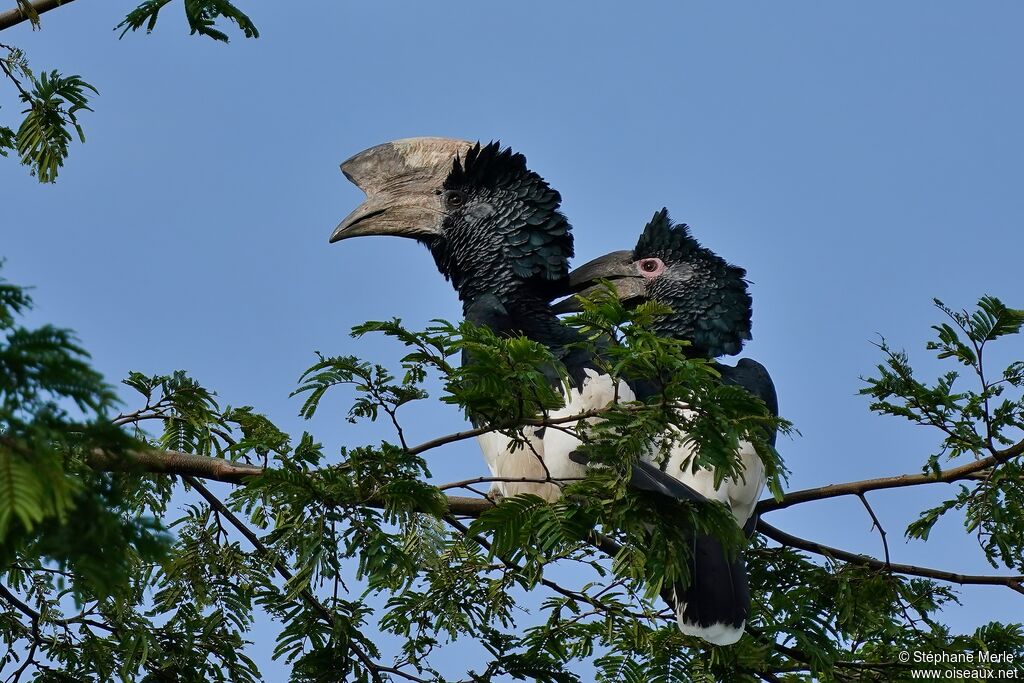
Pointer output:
x,y
487,166
661,238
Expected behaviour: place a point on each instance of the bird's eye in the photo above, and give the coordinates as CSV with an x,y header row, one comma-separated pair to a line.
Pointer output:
x,y
650,267
454,199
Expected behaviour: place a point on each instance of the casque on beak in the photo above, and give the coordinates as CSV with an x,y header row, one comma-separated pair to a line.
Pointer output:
x,y
617,268
401,180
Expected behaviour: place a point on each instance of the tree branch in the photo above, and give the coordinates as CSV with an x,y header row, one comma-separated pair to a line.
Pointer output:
x,y
13,17
16,602
578,596
875,524
857,488
175,462
26,96
466,483
191,467
35,616
1014,582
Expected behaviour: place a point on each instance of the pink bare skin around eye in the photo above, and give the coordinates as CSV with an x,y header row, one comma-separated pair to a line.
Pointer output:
x,y
650,267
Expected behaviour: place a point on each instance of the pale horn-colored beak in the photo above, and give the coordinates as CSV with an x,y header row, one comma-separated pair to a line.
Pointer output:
x,y
401,180
617,268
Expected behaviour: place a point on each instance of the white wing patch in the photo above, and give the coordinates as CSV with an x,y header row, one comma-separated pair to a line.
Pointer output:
x,y
740,494
548,457
545,457
506,460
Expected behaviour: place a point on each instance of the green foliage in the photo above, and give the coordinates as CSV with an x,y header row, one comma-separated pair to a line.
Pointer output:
x,y
353,547
202,16
53,100
53,409
717,416
982,421
45,132
7,140
29,10
374,384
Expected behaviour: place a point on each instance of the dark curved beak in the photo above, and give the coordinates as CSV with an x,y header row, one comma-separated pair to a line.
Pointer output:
x,y
403,215
617,268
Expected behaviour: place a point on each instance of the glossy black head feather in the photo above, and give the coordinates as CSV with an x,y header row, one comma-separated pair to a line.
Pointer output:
x,y
666,241
710,304
487,166
505,231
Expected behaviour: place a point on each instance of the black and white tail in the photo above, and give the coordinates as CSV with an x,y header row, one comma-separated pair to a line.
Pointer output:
x,y
715,605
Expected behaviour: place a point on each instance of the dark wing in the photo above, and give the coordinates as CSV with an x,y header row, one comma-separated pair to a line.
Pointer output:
x,y
715,604
647,477
753,377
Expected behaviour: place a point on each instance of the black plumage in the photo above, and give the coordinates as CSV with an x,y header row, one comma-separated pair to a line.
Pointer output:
x,y
711,307
502,233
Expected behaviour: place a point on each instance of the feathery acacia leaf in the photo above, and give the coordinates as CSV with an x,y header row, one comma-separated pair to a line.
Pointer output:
x,y
202,17
45,133
347,544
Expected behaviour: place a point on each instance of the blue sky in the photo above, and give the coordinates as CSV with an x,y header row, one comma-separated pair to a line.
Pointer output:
x,y
857,158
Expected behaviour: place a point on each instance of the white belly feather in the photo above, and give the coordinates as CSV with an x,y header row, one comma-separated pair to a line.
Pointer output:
x,y
547,458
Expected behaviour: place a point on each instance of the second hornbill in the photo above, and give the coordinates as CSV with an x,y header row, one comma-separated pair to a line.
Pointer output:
x,y
710,309
494,230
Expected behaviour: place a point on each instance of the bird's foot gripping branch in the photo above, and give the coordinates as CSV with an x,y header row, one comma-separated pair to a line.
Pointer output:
x,y
340,545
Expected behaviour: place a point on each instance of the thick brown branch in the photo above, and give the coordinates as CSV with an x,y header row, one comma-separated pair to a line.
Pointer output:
x,y
13,17
190,465
857,488
219,469
174,462
464,506
1014,582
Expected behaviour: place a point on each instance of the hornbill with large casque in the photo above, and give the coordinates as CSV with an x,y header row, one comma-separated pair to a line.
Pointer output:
x,y
495,232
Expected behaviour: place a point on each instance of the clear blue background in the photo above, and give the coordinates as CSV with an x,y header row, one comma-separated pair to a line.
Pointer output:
x,y
857,158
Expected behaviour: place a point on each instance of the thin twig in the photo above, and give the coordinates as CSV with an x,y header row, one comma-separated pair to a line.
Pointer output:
x,y
531,422
25,95
372,667
875,524
569,593
1015,583
466,483
854,488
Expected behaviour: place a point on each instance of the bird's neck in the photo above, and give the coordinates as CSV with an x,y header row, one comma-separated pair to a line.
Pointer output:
x,y
714,316
519,311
